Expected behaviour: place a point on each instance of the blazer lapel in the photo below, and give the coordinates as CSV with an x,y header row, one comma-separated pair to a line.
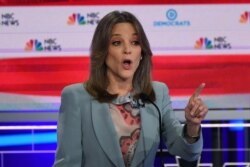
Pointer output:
x,y
149,132
105,132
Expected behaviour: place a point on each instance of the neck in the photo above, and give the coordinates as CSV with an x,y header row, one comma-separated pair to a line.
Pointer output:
x,y
121,88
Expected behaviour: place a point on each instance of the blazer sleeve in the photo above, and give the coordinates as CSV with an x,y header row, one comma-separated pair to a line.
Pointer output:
x,y
173,131
69,135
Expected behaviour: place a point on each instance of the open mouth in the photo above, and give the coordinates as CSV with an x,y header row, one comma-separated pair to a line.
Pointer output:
x,y
127,64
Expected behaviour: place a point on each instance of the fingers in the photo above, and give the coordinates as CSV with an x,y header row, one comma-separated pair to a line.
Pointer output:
x,y
197,92
199,109
195,105
203,112
196,109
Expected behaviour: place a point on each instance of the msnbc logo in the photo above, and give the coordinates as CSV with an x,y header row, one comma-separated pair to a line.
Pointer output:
x,y
245,17
172,21
78,19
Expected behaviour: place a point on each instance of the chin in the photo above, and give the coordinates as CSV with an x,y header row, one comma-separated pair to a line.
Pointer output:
x,y
126,77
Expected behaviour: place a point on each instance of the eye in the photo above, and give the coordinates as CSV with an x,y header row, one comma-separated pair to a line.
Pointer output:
x,y
135,42
116,43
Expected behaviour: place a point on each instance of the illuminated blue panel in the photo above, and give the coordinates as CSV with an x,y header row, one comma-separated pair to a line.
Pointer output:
x,y
45,146
10,147
237,128
24,139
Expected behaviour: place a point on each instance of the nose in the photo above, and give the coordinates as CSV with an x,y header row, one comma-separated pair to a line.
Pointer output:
x,y
127,48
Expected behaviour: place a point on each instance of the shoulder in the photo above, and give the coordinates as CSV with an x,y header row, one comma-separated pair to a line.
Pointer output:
x,y
159,87
75,89
161,91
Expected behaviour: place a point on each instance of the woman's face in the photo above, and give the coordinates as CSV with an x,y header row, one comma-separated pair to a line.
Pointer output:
x,y
124,52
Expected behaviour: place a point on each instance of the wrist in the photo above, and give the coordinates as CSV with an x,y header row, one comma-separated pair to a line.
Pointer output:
x,y
192,132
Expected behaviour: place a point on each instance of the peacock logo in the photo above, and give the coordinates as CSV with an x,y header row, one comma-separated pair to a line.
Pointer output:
x,y
76,18
33,45
244,18
203,43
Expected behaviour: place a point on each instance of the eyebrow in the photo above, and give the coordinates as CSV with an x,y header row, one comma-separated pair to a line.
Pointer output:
x,y
134,34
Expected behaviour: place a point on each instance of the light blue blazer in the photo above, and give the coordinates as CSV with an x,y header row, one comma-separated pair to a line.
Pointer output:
x,y
87,137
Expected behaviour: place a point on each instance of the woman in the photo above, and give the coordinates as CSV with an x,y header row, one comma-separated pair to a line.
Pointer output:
x,y
104,122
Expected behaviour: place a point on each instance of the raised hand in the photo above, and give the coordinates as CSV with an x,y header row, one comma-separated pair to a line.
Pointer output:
x,y
196,109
